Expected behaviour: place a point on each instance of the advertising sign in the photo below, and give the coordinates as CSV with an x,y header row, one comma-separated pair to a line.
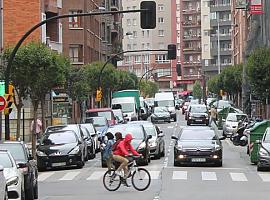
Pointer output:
x,y
256,7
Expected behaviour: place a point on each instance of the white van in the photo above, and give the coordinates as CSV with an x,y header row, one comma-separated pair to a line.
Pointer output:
x,y
166,99
128,106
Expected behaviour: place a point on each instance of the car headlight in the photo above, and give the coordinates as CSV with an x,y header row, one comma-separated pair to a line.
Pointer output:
x,y
40,153
263,152
75,150
142,146
13,181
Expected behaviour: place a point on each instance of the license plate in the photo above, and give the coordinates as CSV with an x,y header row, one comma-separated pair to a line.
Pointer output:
x,y
198,160
58,164
198,120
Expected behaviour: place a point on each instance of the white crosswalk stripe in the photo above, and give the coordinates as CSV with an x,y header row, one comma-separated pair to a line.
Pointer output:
x,y
209,176
44,176
69,176
179,175
238,177
96,175
265,177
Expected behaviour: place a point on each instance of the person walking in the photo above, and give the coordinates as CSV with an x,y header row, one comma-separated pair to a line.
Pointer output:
x,y
107,154
38,128
213,116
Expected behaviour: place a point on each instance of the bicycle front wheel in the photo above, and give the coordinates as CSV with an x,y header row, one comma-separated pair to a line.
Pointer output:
x,y
111,181
141,179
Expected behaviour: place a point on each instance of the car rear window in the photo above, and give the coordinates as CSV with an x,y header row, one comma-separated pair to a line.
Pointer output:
x,y
150,130
198,135
5,160
58,138
16,150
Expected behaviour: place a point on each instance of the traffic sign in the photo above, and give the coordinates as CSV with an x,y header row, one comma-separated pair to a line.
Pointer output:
x,y
2,103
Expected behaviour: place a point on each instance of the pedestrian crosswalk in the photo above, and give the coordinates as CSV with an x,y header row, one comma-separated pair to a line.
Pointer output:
x,y
174,175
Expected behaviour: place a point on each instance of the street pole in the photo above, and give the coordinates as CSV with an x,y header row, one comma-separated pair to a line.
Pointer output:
x,y
19,43
218,32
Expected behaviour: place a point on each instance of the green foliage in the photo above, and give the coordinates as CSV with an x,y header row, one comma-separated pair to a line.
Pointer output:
x,y
258,71
197,90
213,84
148,88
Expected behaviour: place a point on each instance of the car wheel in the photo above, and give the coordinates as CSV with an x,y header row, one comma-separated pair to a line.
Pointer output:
x,y
174,119
36,191
92,154
188,123
162,154
29,193
6,194
259,168
157,156
81,163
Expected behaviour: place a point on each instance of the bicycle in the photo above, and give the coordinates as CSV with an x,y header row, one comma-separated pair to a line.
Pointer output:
x,y
140,177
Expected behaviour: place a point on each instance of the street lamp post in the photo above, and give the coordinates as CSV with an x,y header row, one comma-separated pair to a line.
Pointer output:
x,y
218,38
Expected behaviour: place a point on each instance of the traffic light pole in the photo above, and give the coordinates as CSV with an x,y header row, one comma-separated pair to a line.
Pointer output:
x,y
14,51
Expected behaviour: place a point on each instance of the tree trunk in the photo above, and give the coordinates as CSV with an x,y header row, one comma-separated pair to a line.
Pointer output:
x,y
19,111
34,136
43,114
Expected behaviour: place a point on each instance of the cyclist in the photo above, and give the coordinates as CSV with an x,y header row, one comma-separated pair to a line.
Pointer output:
x,y
124,148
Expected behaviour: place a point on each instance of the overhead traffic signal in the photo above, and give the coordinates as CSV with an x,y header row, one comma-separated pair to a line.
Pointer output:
x,y
148,17
99,94
171,51
9,99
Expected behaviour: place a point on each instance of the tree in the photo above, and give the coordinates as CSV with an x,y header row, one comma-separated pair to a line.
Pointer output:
x,y
258,71
197,90
213,85
148,88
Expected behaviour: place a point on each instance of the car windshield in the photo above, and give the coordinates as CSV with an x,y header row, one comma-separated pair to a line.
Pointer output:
x,y
106,114
65,137
164,103
5,160
150,130
127,107
97,121
160,109
89,127
198,135
16,150
198,109
267,136
235,118
118,114
136,131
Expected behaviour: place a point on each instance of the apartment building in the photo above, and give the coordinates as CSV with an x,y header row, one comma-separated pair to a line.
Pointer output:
x,y
135,38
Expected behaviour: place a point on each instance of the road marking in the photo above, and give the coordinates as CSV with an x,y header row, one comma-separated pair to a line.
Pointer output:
x,y
179,175
265,177
209,176
44,176
69,176
154,174
238,177
96,175
156,198
170,127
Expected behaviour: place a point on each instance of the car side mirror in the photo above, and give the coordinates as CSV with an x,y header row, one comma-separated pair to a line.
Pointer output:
x,y
149,137
222,138
174,137
258,141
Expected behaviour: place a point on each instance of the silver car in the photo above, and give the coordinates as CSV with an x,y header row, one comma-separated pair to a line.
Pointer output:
x,y
264,152
231,123
3,185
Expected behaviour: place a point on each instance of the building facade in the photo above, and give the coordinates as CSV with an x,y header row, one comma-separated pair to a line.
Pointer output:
x,y
145,64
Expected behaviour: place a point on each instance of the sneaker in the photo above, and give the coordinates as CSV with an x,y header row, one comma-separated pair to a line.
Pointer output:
x,y
124,182
118,173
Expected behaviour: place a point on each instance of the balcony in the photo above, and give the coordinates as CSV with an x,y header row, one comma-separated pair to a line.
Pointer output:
x,y
56,46
114,5
191,50
51,6
192,37
191,11
191,24
192,76
220,7
115,29
222,37
223,51
192,64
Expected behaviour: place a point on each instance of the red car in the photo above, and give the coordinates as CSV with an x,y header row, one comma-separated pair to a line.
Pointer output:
x,y
102,112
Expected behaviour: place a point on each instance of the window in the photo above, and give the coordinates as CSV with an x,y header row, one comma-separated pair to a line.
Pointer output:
x,y
161,45
160,20
148,33
128,8
163,72
146,58
76,53
128,46
142,33
128,22
137,59
143,45
160,7
134,22
148,45
206,62
134,46
74,22
206,33
205,47
161,33
134,7
135,34
190,71
127,60
161,58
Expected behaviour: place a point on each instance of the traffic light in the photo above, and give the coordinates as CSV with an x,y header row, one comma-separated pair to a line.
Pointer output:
x,y
98,94
178,69
171,51
148,17
9,99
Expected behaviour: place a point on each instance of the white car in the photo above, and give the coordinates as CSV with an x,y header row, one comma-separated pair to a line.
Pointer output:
x,y
13,175
3,185
231,123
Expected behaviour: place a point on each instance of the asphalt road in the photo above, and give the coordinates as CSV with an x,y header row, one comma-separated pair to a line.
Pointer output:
x,y
237,179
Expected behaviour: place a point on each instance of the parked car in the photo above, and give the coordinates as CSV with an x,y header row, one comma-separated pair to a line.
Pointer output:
x,y
119,116
160,114
185,106
91,152
197,114
3,185
140,141
60,148
100,123
76,128
193,146
156,143
13,176
231,123
102,112
94,134
264,152
26,164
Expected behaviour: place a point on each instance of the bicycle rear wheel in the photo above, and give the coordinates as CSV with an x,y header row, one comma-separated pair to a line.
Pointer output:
x,y
111,181
141,179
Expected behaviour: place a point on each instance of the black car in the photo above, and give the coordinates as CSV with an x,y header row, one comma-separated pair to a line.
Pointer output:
x,y
140,141
197,114
58,149
91,152
27,164
160,114
197,146
77,129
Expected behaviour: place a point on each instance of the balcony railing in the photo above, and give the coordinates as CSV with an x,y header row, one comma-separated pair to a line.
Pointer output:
x,y
192,63
192,37
191,23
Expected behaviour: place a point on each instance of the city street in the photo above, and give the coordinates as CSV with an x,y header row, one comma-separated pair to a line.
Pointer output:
x,y
237,179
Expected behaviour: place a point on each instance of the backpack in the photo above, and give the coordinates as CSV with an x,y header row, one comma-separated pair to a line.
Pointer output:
x,y
114,146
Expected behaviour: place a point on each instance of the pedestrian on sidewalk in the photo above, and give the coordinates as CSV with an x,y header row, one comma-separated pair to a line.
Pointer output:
x,y
38,128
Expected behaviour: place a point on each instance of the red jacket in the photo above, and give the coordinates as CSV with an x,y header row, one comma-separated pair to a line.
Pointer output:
x,y
124,147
